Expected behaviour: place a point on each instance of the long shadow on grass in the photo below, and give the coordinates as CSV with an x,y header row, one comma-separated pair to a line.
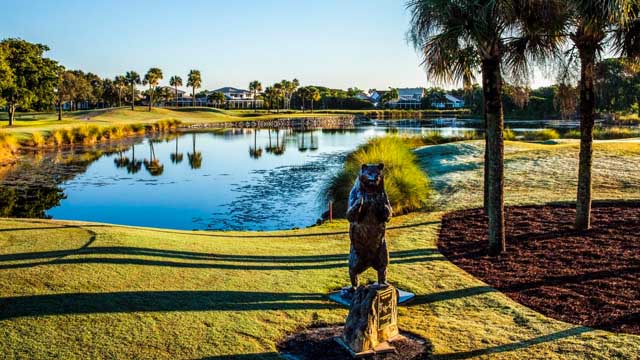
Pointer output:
x,y
215,261
450,295
576,331
158,301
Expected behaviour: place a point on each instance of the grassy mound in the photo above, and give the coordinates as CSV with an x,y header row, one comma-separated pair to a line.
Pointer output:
x,y
407,186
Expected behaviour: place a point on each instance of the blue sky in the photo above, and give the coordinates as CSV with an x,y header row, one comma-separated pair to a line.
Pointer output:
x,y
336,43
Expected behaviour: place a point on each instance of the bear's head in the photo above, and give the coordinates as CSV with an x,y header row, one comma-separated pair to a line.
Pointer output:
x,y
372,178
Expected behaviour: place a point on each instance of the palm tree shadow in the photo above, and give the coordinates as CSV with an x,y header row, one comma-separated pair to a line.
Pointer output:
x,y
158,301
576,331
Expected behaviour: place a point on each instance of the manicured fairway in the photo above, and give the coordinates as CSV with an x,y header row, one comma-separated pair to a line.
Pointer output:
x,y
77,290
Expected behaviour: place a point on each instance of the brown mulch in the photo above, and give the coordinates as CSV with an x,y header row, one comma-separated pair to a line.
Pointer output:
x,y
589,278
319,343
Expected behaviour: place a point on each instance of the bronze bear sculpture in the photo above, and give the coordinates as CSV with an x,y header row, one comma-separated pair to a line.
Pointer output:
x,y
368,212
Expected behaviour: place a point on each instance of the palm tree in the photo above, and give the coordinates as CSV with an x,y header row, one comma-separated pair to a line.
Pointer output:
x,y
176,157
389,96
255,87
120,83
278,92
133,79
194,81
314,95
217,98
594,26
195,157
152,78
175,81
459,38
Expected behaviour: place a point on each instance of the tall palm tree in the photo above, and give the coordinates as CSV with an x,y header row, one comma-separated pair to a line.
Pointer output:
x,y
278,94
314,95
133,79
194,81
175,81
152,78
255,87
593,27
460,38
120,83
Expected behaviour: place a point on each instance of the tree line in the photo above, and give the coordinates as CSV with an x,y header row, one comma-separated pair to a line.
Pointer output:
x,y
460,40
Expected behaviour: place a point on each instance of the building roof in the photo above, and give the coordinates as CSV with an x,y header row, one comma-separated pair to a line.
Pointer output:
x,y
452,98
230,90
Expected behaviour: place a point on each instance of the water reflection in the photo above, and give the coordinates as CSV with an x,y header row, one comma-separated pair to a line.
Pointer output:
x,y
276,186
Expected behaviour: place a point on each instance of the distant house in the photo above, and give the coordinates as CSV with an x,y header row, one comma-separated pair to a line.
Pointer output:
x,y
375,96
408,98
448,102
238,98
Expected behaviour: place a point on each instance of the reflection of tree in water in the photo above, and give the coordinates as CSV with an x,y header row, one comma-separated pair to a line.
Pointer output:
x,y
153,165
176,157
278,148
32,202
255,152
134,165
301,145
195,157
121,161
314,141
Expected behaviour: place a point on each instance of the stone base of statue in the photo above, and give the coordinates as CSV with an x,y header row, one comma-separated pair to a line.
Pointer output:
x,y
372,321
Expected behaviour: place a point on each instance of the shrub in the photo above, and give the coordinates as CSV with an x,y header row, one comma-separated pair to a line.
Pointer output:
x,y
8,147
606,133
542,135
38,139
406,184
508,134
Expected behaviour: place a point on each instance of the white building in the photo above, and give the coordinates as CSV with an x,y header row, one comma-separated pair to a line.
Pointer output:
x,y
408,98
239,98
448,102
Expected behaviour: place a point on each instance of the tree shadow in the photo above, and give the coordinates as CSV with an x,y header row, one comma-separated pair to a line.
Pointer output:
x,y
84,255
450,295
262,356
158,301
576,331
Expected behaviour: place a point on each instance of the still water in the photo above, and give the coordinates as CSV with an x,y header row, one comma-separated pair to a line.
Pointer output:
x,y
252,179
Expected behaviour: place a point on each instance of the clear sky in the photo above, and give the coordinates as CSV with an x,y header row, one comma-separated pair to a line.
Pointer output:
x,y
335,43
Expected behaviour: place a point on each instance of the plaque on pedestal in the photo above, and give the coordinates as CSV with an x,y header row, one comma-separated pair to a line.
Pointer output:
x,y
372,321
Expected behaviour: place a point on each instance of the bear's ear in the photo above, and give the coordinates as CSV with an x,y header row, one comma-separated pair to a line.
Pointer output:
x,y
381,166
364,167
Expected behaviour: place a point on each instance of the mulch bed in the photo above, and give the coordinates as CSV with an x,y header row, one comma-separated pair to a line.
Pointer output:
x,y
318,343
589,278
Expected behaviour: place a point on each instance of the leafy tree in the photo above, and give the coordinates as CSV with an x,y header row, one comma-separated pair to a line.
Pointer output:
x,y
66,89
175,81
6,75
459,38
592,27
389,96
354,91
217,98
31,77
194,81
255,87
133,79
152,78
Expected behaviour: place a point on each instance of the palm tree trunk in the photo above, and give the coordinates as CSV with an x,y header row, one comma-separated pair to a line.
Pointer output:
x,y
150,98
193,100
587,118
486,168
492,87
176,100
59,109
133,97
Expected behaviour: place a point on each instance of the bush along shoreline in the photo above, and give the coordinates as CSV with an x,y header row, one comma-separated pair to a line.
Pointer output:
x,y
89,134
406,184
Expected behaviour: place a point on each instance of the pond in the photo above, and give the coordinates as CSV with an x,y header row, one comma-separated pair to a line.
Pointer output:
x,y
233,179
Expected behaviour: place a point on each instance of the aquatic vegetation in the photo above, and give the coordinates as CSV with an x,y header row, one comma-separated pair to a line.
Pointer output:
x,y
407,186
606,133
509,134
541,135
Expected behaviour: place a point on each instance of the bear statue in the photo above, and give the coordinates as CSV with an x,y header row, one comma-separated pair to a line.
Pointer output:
x,y
368,212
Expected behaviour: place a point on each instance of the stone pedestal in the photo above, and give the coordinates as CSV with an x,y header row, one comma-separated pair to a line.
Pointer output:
x,y
372,320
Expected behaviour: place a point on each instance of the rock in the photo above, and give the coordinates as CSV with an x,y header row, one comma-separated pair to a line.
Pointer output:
x,y
373,318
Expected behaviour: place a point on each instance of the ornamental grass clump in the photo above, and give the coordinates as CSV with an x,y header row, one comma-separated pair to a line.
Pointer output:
x,y
406,184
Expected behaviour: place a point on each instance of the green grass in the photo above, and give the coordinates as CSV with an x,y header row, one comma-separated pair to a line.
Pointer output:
x,y
406,185
607,133
81,290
